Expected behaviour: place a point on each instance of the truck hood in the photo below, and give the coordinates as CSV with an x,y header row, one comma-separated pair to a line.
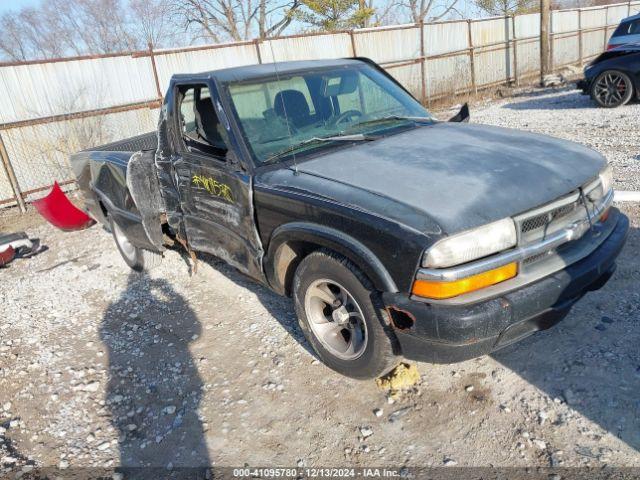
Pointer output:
x,y
462,175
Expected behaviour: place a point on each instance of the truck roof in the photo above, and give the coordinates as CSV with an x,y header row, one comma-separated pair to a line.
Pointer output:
x,y
249,72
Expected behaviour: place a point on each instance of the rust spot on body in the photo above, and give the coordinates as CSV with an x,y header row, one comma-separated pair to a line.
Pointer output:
x,y
400,319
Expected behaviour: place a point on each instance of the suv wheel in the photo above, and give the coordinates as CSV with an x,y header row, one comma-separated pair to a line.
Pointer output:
x,y
612,89
137,258
341,316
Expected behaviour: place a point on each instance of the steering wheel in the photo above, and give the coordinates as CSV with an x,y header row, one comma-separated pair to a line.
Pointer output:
x,y
344,116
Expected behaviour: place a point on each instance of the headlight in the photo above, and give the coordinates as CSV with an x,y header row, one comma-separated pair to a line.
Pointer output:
x,y
472,244
606,179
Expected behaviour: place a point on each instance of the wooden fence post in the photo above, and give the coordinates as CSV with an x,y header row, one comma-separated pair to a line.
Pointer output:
x,y
11,175
472,60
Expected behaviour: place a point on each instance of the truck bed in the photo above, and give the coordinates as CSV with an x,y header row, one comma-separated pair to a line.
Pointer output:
x,y
146,141
101,171
103,176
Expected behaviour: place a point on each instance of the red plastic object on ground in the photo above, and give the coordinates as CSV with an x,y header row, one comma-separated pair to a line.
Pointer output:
x,y
58,210
7,255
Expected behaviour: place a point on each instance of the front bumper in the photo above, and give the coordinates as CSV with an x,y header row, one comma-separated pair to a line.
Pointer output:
x,y
451,333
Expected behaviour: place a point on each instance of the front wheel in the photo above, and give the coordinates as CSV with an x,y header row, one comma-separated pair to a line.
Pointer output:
x,y
341,316
612,89
137,258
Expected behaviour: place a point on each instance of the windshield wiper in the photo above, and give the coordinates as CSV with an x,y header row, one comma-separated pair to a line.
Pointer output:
x,y
359,137
394,117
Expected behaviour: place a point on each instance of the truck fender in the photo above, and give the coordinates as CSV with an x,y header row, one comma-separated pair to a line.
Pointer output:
x,y
290,242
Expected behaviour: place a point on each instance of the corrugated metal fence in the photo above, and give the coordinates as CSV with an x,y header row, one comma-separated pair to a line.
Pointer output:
x,y
51,108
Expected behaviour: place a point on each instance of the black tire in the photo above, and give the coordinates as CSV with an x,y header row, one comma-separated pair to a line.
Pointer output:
x,y
612,89
377,353
136,258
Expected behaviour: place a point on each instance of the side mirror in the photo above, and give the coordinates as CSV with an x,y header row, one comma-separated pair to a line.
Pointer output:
x,y
462,116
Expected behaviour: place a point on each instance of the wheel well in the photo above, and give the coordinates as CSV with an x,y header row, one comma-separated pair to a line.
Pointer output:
x,y
291,253
293,242
287,259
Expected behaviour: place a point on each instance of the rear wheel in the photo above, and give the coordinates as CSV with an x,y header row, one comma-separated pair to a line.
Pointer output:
x,y
612,89
341,316
137,258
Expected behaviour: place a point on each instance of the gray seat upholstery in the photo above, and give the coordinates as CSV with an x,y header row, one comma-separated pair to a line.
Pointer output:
x,y
207,123
292,105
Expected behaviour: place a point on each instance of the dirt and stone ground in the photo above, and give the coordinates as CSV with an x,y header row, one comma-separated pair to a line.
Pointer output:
x,y
100,366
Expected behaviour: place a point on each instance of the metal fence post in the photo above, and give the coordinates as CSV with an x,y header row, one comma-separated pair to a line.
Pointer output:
x,y
515,51
11,175
546,63
353,44
606,27
472,62
423,64
552,43
580,59
256,42
507,49
155,72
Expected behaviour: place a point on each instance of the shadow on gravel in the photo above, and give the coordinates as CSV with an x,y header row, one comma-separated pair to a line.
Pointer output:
x,y
591,360
154,389
570,99
280,308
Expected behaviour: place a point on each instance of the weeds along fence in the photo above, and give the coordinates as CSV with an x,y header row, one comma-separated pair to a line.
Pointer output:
x,y
51,108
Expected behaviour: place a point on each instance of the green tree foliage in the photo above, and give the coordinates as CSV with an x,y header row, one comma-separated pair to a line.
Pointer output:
x,y
507,7
331,15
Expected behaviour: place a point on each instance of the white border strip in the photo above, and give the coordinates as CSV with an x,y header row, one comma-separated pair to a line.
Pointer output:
x,y
626,196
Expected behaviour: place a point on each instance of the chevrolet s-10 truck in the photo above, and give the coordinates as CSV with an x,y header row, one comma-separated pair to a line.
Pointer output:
x,y
396,234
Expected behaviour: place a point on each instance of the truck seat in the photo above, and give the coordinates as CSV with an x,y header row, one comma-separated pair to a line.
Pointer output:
x,y
207,123
297,109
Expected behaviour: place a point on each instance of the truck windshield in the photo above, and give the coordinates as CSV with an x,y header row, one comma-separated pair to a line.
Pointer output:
x,y
280,116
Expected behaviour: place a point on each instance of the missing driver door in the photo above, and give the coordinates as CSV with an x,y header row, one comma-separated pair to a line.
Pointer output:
x,y
217,201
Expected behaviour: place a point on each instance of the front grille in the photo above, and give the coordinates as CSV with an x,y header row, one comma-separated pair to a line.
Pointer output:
x,y
543,220
536,225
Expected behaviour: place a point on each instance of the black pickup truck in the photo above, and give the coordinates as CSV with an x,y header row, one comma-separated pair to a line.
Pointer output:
x,y
395,234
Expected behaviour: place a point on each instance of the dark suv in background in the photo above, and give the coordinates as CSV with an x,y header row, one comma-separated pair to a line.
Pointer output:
x,y
627,32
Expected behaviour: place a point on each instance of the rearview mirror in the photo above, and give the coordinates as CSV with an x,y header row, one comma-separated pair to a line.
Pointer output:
x,y
463,115
345,83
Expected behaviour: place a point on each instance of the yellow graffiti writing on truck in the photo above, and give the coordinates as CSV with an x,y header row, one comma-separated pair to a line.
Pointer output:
x,y
213,186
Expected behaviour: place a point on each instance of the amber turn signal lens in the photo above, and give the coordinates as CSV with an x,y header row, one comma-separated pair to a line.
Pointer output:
x,y
605,215
441,290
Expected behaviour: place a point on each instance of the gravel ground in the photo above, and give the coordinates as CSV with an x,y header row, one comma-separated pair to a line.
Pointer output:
x,y
103,367
567,114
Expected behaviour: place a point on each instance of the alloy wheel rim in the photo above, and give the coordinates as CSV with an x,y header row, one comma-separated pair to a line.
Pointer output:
x,y
126,246
336,319
611,89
